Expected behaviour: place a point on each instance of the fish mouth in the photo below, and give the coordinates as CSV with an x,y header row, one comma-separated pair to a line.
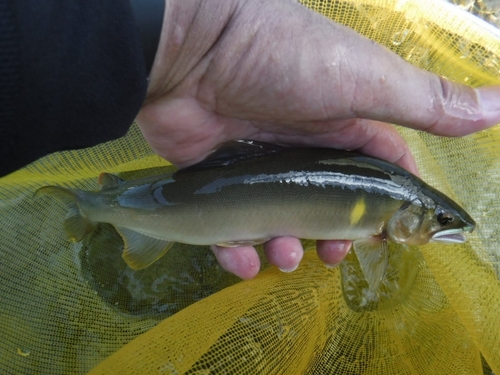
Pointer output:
x,y
450,236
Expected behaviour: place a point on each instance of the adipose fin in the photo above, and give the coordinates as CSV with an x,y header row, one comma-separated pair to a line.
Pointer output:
x,y
109,181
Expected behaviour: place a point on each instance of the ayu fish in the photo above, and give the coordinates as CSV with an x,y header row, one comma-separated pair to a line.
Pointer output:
x,y
247,192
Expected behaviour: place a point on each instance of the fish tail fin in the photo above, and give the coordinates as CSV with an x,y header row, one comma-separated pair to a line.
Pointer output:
x,y
76,225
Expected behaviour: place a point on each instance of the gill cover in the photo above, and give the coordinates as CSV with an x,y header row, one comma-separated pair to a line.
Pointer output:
x,y
405,225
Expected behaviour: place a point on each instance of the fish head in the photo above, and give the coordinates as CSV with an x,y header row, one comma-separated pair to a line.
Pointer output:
x,y
449,225
417,224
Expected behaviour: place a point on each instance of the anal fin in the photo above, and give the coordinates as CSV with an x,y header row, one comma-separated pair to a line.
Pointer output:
x,y
373,257
140,249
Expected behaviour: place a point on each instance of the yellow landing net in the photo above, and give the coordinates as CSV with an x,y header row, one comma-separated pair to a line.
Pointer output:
x,y
72,308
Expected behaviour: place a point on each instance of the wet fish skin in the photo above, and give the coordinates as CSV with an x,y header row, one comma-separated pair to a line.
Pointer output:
x,y
248,192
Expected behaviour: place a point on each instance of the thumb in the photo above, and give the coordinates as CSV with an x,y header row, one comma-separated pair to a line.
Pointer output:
x,y
421,100
323,71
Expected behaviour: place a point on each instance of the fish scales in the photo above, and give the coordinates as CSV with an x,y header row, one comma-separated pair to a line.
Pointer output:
x,y
259,198
248,192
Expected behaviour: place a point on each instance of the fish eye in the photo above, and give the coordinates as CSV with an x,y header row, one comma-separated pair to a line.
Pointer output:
x,y
444,218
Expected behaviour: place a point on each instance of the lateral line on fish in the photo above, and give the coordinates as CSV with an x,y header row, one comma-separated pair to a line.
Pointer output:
x,y
320,179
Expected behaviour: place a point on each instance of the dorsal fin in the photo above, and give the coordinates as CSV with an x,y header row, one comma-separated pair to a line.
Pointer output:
x,y
235,151
109,181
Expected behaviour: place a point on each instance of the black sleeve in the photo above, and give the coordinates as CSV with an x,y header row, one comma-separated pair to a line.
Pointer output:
x,y
72,75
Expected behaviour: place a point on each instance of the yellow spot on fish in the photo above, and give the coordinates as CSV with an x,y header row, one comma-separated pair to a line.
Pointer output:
x,y
358,211
21,353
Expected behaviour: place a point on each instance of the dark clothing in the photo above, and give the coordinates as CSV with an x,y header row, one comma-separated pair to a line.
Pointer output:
x,y
72,75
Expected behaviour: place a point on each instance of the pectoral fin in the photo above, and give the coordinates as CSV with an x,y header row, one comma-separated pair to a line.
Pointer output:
x,y
140,249
373,257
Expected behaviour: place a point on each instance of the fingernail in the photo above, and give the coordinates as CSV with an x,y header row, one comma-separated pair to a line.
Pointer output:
x,y
288,270
489,98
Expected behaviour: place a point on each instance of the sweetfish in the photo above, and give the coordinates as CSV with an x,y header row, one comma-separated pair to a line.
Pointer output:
x,y
247,192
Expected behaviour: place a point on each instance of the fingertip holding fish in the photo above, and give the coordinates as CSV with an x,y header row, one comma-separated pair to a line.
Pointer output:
x,y
284,253
332,253
242,261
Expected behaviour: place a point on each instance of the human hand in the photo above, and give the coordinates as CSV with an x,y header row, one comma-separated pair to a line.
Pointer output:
x,y
277,72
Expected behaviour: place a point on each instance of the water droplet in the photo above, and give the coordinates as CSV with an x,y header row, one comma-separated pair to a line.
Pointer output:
x,y
375,17
399,37
492,63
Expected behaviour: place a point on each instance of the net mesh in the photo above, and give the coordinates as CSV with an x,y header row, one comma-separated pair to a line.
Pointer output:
x,y
72,308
